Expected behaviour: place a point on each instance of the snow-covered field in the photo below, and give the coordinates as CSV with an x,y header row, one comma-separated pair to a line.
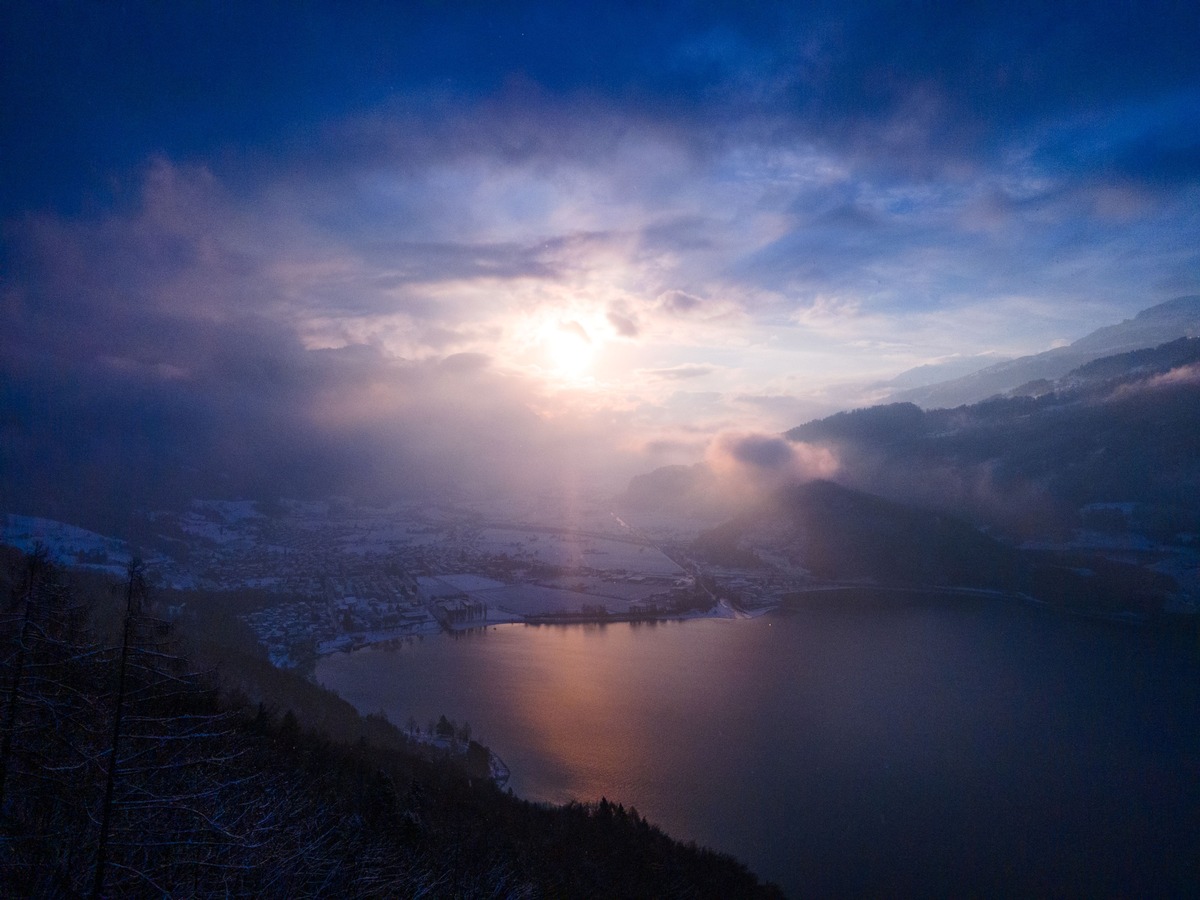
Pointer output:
x,y
230,510
576,551
609,588
536,599
66,544
447,585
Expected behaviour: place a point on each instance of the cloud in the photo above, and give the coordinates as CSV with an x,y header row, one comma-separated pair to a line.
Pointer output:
x,y
573,327
1185,375
355,270
678,373
758,451
924,93
679,302
414,262
767,461
168,350
1181,375
466,362
624,325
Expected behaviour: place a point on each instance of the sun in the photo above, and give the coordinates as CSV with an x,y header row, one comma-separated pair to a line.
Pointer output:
x,y
561,347
569,350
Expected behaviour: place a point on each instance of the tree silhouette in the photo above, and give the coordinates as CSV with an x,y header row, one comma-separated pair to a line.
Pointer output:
x,y
51,720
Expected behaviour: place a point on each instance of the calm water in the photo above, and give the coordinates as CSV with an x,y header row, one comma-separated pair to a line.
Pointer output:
x,y
930,747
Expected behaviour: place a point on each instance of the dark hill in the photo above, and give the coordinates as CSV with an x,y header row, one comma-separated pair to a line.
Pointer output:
x,y
839,533
891,423
843,535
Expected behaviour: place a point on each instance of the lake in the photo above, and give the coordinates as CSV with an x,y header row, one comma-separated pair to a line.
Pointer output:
x,y
929,746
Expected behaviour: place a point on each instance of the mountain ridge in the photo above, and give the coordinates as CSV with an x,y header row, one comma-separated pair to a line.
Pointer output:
x,y
1159,324
1099,471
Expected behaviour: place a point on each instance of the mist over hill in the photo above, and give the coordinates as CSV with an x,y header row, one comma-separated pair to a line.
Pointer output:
x,y
1121,429
1096,473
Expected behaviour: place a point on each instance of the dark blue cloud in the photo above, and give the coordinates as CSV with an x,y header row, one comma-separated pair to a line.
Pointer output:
x,y
91,89
761,451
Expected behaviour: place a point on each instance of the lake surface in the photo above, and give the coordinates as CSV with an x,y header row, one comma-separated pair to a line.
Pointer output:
x,y
929,747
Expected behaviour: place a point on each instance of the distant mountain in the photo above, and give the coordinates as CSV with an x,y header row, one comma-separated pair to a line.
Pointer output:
x,y
669,485
1108,372
1157,325
1119,429
690,497
937,373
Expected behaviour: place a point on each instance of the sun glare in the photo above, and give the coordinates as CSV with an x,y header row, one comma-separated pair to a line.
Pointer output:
x,y
569,350
568,345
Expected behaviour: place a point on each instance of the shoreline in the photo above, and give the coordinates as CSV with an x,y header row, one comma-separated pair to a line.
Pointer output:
x,y
348,643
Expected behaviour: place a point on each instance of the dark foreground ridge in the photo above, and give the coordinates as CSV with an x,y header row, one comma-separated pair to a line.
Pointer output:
x,y
124,773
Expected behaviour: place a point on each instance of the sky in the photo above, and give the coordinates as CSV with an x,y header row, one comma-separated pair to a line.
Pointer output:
x,y
313,247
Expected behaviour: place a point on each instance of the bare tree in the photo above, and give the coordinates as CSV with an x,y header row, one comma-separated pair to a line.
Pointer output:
x,y
25,590
179,802
128,775
50,665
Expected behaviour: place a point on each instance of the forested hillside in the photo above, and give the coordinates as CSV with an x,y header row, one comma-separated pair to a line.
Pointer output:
x,y
124,772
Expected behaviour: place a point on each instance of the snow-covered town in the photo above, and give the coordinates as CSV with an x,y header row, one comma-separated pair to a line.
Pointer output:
x,y
325,576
